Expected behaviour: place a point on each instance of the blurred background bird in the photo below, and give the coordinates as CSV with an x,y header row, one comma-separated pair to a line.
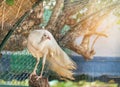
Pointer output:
x,y
41,44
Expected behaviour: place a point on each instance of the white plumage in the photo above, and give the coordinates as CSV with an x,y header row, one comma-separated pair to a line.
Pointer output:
x,y
41,44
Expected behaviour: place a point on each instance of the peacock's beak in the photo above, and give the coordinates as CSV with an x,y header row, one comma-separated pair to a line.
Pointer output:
x,y
48,37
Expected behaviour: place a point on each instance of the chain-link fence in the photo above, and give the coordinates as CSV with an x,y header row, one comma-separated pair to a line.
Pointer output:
x,y
15,69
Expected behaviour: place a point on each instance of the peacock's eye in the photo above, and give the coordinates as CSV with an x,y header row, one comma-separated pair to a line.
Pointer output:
x,y
45,35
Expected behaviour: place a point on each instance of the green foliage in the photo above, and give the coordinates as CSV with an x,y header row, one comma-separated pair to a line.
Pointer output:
x,y
14,82
56,83
10,2
84,84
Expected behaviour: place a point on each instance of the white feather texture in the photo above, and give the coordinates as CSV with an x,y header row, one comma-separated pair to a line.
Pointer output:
x,y
42,43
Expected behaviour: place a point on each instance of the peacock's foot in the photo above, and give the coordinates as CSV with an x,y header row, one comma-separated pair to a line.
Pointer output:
x,y
33,73
39,77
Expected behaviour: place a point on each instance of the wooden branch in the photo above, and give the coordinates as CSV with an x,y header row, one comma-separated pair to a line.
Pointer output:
x,y
87,27
75,5
59,18
85,42
87,54
96,33
41,82
71,10
64,19
56,12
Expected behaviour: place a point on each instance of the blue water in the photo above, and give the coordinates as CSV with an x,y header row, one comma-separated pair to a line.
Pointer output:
x,y
99,66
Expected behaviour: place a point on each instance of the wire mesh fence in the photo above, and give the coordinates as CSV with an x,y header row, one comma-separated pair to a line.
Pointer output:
x,y
15,69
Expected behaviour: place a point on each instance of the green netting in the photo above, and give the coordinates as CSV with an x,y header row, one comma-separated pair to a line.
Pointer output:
x,y
21,63
16,68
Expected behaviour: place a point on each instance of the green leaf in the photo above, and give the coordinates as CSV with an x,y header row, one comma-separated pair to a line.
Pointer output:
x,y
10,2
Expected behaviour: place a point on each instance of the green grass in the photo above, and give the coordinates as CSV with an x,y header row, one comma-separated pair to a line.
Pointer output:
x,y
83,84
56,83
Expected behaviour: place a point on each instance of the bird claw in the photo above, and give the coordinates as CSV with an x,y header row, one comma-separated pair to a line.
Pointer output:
x,y
33,73
39,77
